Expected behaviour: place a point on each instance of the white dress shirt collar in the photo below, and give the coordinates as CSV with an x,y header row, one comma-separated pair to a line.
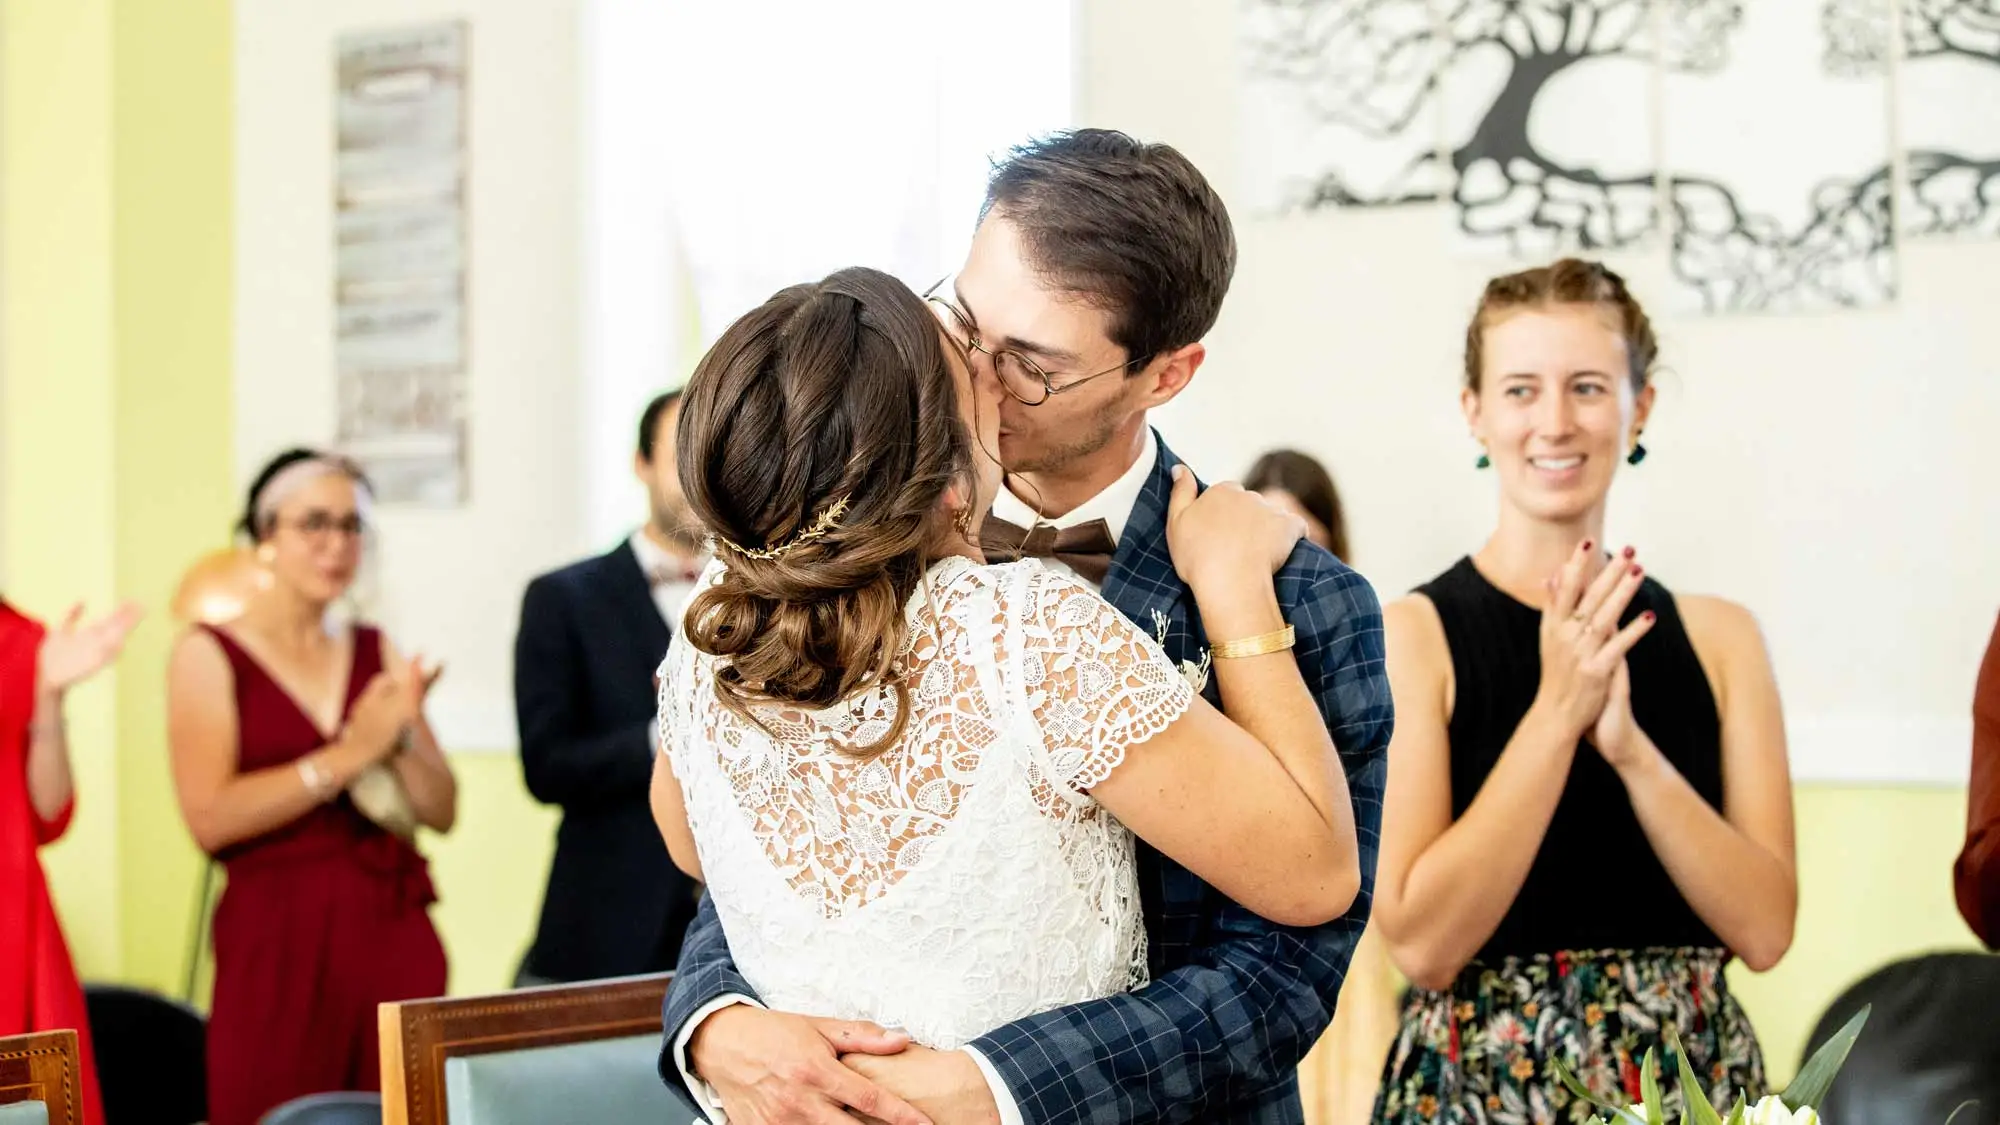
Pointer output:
x,y
1113,505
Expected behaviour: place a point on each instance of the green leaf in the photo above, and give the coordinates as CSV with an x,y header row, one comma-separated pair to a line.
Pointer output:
x,y
1619,1114
1816,1077
1576,1088
1694,1099
1649,1087
1737,1111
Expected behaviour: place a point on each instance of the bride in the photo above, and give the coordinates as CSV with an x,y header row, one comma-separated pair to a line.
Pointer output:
x,y
907,777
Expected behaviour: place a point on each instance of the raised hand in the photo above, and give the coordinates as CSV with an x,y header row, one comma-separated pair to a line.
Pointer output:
x,y
423,677
73,652
419,679
1582,647
1226,533
1616,734
385,707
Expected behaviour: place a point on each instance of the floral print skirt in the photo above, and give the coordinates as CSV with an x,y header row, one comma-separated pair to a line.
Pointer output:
x,y
1480,1052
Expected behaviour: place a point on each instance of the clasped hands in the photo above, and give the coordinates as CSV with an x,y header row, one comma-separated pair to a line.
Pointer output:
x,y
776,1068
1586,685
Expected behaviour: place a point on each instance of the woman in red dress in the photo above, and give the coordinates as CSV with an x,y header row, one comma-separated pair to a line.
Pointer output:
x,y
271,721
38,988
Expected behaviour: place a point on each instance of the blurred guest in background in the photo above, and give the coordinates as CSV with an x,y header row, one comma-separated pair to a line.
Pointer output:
x,y
1338,1079
38,986
592,634
1589,811
1303,487
1978,872
271,719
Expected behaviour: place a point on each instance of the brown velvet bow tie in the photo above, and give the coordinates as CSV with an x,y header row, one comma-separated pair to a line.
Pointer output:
x,y
672,574
1086,548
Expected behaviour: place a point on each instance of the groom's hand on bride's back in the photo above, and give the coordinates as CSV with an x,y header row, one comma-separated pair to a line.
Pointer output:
x,y
775,1068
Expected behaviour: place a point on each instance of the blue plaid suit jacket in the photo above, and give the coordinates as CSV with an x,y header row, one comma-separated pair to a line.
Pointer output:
x,y
1235,1001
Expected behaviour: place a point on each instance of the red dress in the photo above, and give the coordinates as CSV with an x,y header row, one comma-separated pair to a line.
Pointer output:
x,y
322,920
38,989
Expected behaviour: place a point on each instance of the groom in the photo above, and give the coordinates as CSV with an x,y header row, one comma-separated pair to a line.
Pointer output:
x,y
1097,269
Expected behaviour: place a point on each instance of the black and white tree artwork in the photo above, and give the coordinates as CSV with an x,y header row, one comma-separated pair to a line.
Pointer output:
x,y
1948,95
1339,103
1550,126
1780,187
1548,120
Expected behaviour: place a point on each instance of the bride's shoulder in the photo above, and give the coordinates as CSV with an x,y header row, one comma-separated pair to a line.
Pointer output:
x,y
679,670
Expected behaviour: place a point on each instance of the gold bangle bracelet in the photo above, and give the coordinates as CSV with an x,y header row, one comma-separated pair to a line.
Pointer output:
x,y
1256,646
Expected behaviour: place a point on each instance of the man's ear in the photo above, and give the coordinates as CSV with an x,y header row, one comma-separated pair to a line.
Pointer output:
x,y
1169,374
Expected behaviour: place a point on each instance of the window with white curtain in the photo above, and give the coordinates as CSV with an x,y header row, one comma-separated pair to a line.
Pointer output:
x,y
733,148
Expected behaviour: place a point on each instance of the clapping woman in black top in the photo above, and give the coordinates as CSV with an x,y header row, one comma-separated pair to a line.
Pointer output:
x,y
1588,810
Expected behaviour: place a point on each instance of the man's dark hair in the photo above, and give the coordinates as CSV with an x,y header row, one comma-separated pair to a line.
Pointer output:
x,y
1134,228
649,422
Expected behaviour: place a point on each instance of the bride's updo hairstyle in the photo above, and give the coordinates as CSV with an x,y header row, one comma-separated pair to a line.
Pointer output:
x,y
817,439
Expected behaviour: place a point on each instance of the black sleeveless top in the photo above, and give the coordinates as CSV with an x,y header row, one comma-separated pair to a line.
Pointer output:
x,y
1596,882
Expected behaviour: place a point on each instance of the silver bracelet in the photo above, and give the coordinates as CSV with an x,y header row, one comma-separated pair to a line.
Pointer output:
x,y
317,780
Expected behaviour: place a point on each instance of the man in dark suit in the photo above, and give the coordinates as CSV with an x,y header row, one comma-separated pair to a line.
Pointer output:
x,y
592,634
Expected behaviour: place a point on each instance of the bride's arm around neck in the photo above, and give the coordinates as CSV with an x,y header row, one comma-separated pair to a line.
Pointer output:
x,y
1260,810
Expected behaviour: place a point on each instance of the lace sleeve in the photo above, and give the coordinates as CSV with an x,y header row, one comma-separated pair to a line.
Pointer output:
x,y
671,715
1097,685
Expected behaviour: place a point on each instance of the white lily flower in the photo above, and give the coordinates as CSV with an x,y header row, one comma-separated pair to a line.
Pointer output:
x,y
1772,1111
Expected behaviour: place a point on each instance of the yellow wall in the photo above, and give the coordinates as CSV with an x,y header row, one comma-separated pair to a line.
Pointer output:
x,y
1874,885
56,329
490,871
173,217
117,306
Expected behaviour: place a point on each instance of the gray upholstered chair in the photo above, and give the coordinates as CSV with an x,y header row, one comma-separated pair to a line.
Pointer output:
x,y
618,1079
582,1052
347,1107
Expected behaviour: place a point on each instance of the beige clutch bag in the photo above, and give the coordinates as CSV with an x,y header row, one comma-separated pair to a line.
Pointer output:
x,y
378,793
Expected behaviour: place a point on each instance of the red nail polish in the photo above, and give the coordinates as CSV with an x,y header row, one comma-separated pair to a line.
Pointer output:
x,y
1648,615
1636,570
1586,546
1628,552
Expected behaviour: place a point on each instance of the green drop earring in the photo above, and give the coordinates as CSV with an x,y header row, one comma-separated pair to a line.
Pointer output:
x,y
1638,453
1484,462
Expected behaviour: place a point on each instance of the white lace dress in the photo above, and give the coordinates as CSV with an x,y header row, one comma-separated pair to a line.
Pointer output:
x,y
961,879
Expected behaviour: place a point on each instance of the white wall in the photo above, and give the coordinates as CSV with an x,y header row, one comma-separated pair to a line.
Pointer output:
x,y
1834,473
817,137
637,302
448,583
